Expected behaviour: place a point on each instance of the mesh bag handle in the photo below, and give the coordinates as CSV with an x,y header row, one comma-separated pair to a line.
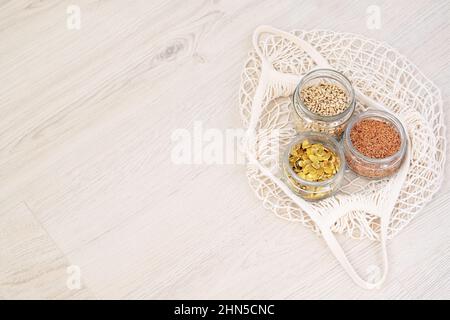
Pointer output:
x,y
324,223
341,256
314,55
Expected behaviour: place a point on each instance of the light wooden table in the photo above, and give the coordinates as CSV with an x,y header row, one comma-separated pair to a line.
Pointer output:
x,y
86,178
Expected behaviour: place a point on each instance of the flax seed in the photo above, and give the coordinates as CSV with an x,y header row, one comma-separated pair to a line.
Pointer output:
x,y
375,139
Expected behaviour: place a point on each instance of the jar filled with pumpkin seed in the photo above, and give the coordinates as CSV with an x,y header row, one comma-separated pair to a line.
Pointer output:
x,y
313,165
323,101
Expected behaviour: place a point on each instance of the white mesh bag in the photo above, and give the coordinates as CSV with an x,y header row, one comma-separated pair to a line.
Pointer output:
x,y
383,79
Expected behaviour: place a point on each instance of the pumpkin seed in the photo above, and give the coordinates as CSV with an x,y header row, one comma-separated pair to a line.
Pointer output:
x,y
313,161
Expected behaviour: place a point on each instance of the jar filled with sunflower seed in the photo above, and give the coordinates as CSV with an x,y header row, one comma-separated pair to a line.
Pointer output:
x,y
323,101
313,165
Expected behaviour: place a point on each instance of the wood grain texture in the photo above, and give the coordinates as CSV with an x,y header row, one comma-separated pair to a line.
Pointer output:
x,y
31,264
85,171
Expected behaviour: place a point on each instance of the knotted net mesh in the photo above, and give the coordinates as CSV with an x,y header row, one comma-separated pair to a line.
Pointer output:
x,y
381,73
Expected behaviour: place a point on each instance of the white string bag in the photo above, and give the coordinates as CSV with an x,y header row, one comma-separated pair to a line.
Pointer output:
x,y
383,79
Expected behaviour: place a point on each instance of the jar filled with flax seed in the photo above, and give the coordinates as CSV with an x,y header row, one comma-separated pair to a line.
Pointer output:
x,y
375,144
323,101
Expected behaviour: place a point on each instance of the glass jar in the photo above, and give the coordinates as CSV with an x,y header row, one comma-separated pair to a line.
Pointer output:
x,y
310,190
374,168
306,120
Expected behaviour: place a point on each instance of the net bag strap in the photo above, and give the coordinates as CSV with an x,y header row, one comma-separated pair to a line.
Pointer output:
x,y
324,225
320,61
338,252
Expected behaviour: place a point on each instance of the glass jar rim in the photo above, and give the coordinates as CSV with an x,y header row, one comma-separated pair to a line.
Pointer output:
x,y
382,116
325,73
327,141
